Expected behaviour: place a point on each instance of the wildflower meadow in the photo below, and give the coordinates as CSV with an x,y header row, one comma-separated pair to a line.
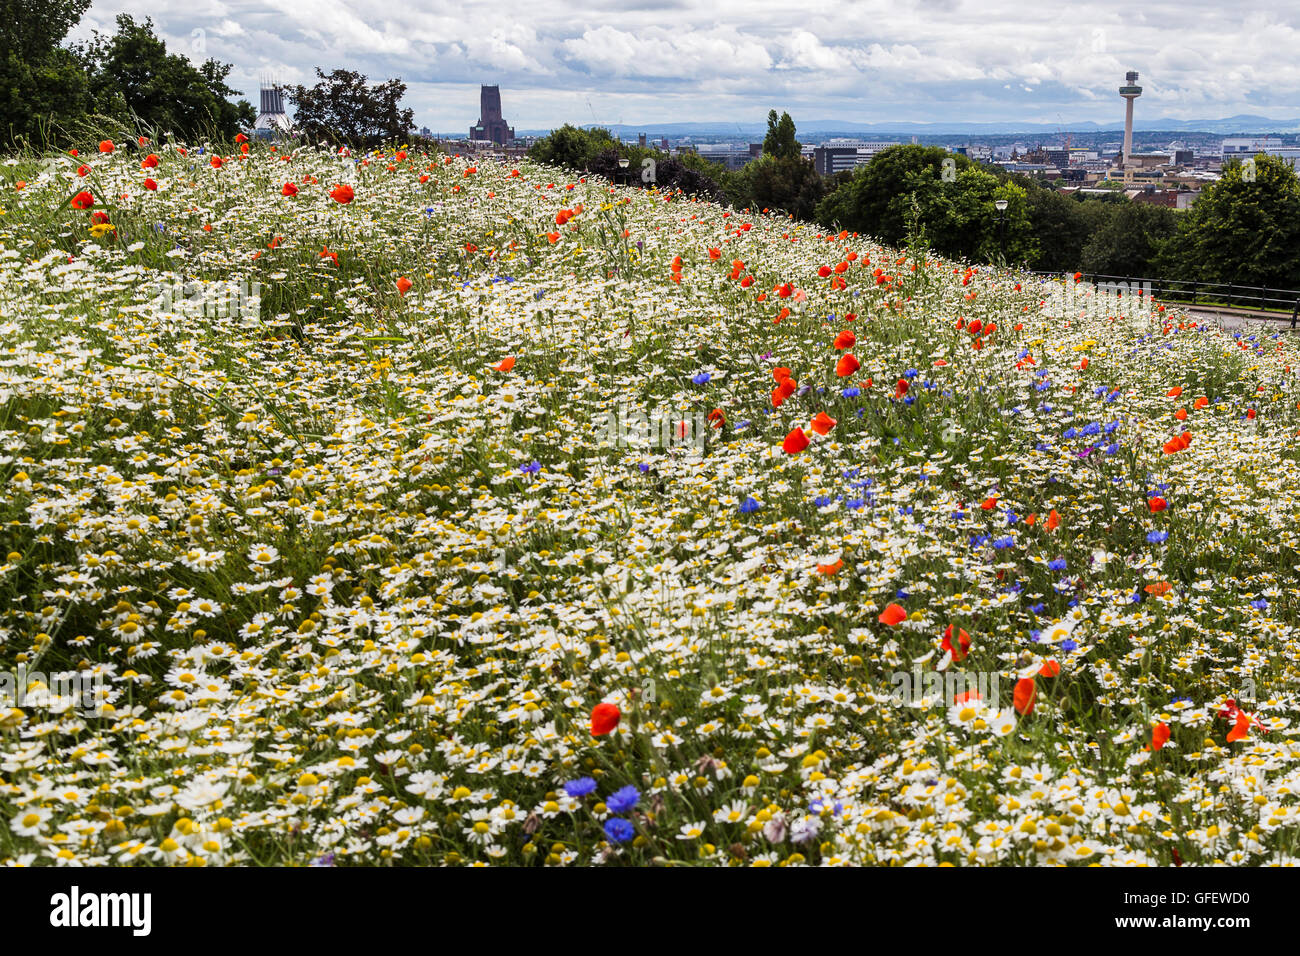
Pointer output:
x,y
402,509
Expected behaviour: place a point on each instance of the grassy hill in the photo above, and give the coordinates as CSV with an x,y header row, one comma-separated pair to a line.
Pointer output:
x,y
329,523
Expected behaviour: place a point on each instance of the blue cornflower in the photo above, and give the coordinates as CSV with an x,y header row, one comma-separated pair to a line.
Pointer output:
x,y
910,373
821,501
1068,645
702,379
619,830
1006,542
1157,537
643,467
855,503
531,468
623,800
1259,605
1056,564
749,506
1037,609
580,787
1070,433
1012,517
851,392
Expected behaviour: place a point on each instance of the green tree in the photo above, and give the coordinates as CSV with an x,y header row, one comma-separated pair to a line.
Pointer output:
x,y
1062,225
1127,241
133,79
787,183
344,108
780,142
572,147
43,90
904,188
1241,229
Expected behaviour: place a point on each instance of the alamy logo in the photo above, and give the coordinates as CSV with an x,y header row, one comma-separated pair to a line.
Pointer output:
x,y
215,300
86,693
916,689
664,427
74,909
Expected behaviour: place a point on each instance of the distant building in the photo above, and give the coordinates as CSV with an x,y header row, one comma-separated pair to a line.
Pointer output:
x,y
491,127
837,155
272,120
1239,145
1290,154
731,155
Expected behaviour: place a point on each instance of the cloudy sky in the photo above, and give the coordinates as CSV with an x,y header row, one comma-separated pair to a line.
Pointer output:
x,y
657,61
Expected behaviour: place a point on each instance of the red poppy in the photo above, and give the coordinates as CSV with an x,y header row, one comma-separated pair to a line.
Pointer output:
x,y
1174,392
823,423
106,146
962,647
150,185
604,718
326,254
892,615
795,442
216,162
845,340
1053,521
150,161
900,388
83,200
1025,693
829,569
342,194
288,189
1159,737
506,364
1157,504
1049,669
403,285
847,365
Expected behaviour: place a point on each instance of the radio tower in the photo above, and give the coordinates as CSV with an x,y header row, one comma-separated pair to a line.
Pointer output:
x,y
1130,91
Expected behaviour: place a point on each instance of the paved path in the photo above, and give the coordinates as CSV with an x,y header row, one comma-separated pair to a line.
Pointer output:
x,y
1242,319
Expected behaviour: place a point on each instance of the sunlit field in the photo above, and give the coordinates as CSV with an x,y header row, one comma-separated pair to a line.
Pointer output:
x,y
402,509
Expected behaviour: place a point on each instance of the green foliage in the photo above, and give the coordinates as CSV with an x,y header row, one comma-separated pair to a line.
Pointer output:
x,y
572,147
1062,225
1127,240
41,85
1241,231
903,188
780,142
343,108
133,79
788,183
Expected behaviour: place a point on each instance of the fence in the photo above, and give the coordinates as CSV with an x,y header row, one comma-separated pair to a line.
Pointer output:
x,y
1226,294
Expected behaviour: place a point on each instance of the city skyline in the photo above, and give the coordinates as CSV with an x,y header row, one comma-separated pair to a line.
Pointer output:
x,y
661,61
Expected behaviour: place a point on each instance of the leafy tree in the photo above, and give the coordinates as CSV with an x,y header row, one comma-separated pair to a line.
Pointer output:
x,y
1241,231
788,183
41,84
343,108
669,172
572,147
780,142
1128,239
1062,226
132,78
902,189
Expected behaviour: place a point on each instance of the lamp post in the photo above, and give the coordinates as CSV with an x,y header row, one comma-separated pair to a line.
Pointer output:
x,y
1001,206
622,168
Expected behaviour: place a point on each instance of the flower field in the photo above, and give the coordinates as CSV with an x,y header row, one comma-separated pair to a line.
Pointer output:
x,y
401,509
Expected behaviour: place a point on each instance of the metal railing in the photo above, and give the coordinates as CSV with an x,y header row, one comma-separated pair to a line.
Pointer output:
x,y
1209,294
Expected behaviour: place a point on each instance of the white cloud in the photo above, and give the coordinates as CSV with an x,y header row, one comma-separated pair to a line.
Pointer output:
x,y
674,60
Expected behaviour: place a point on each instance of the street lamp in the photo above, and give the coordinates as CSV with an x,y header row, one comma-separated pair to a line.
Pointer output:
x,y
1001,206
622,166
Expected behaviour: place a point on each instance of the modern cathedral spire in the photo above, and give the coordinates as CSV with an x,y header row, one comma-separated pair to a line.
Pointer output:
x,y
490,124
